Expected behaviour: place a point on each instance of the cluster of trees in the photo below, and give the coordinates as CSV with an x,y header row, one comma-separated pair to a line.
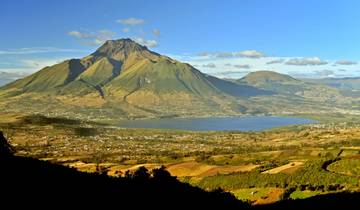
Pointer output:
x,y
312,176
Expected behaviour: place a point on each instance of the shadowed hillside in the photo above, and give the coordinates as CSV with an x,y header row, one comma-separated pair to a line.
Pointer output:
x,y
237,89
35,183
30,182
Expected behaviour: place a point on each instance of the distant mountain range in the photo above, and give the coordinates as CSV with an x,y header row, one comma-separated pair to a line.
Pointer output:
x,y
123,79
349,86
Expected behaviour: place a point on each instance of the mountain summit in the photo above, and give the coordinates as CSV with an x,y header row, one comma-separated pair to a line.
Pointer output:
x,y
120,48
124,77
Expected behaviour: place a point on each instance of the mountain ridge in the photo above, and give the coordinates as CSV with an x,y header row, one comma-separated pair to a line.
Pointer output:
x,y
123,74
123,79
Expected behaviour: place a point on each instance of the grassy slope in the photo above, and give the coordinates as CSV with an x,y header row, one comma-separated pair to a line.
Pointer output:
x,y
101,72
117,71
47,79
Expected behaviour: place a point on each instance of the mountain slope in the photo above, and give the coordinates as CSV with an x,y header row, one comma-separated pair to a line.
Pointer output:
x,y
124,78
345,83
349,86
101,72
237,89
285,84
296,96
47,79
7,77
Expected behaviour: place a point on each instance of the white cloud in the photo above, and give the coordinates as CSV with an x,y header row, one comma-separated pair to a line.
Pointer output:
x,y
156,32
148,43
325,73
306,61
80,35
224,55
31,65
94,38
131,21
7,77
35,50
231,73
346,62
243,54
275,61
250,54
232,64
314,74
40,63
12,75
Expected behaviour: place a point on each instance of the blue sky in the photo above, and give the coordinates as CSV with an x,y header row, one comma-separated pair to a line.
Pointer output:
x,y
304,38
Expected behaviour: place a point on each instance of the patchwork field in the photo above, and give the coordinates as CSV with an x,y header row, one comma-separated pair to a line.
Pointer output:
x,y
260,167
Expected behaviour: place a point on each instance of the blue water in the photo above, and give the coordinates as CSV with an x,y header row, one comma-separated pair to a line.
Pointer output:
x,y
252,123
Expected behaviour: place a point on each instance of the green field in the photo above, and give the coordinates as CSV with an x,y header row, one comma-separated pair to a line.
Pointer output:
x,y
251,194
298,194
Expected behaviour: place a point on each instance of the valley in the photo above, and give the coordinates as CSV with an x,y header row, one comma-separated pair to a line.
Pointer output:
x,y
262,167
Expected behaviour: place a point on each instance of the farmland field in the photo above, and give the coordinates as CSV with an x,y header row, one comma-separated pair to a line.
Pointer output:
x,y
261,167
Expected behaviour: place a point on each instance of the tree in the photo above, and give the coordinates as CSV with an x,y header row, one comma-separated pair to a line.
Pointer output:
x,y
6,149
161,174
141,174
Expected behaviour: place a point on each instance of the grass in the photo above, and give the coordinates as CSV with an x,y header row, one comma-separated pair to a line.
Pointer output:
x,y
298,194
251,194
346,166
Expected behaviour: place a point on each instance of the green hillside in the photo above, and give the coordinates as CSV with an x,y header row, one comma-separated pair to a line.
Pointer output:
x,y
128,76
101,72
47,79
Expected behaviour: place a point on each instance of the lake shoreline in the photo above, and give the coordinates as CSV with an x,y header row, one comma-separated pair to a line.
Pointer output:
x,y
231,123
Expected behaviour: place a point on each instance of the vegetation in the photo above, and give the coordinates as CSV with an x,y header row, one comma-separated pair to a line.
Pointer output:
x,y
346,166
298,194
312,176
284,163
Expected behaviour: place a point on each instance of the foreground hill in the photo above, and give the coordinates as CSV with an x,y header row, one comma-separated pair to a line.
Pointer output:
x,y
33,183
28,182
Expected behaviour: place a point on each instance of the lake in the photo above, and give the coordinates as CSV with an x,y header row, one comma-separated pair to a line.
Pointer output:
x,y
248,123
